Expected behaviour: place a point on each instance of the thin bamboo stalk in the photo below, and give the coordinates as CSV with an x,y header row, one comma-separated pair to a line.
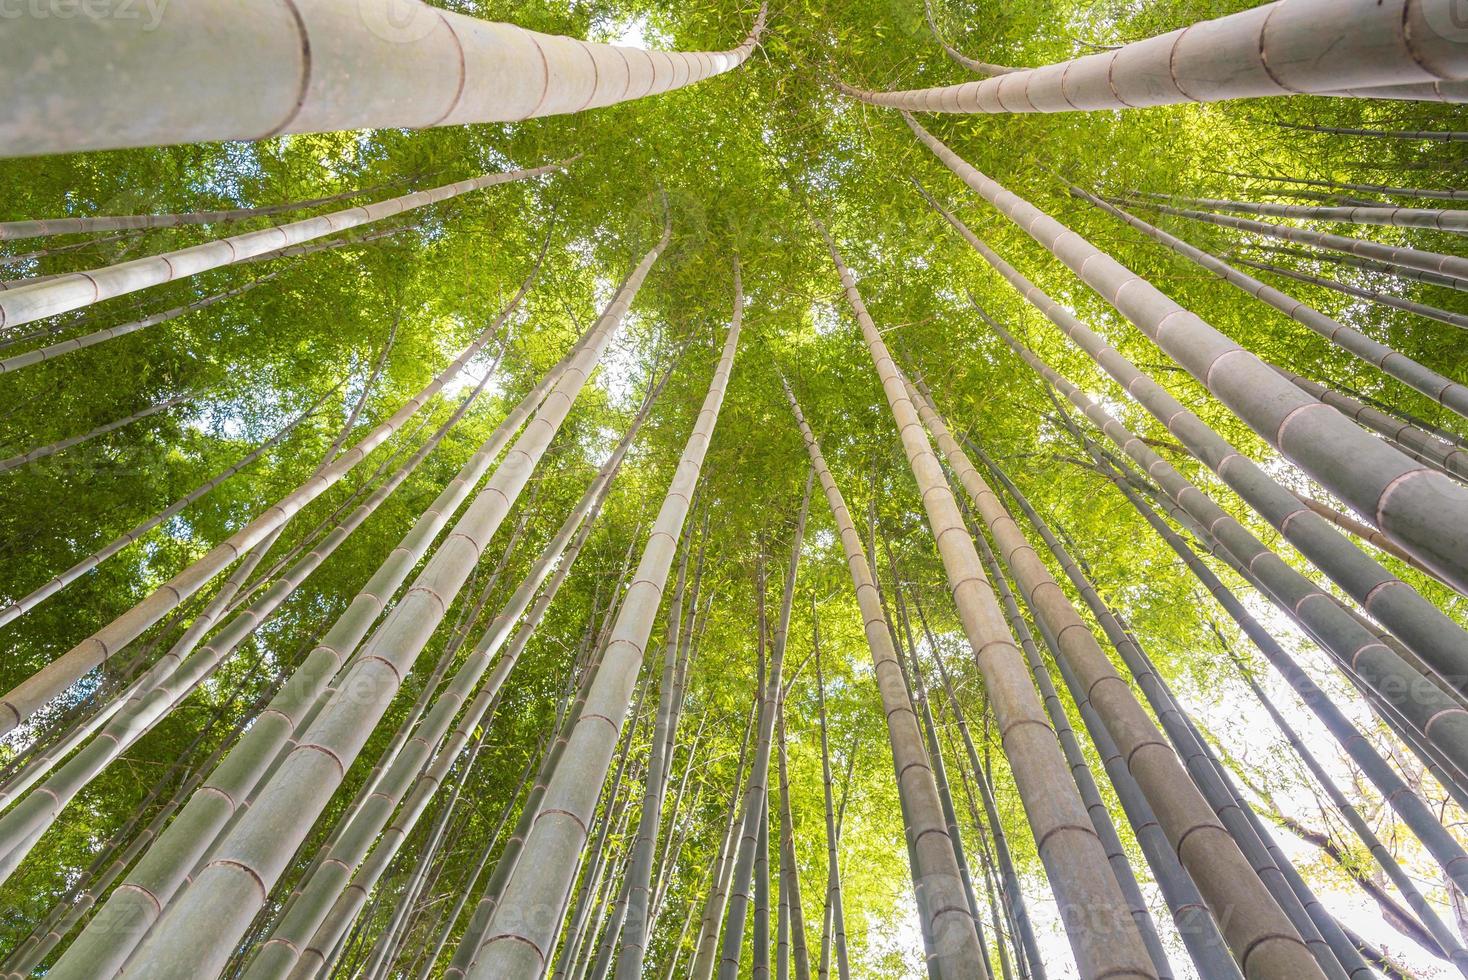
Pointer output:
x,y
1449,946
1433,219
942,905
52,351
1283,48
833,927
1361,292
1252,924
1415,505
21,702
1393,255
329,905
227,891
516,943
1420,378
1403,134
74,290
51,449
707,946
636,923
1434,636
319,66
981,67
1416,192
12,230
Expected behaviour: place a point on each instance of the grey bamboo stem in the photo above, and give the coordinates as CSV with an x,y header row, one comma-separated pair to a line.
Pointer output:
x,y
1432,635
60,445
1422,379
942,906
1450,458
833,930
635,924
1433,219
1392,255
25,699
706,947
12,230
1449,946
1452,319
516,943
1257,931
1413,504
17,361
316,68
328,905
1408,805
1278,49
227,891
1144,824
75,290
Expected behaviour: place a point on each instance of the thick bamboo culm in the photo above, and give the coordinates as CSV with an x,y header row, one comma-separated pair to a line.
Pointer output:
x,y
218,70
1438,387
1257,931
1416,505
515,942
1073,856
1423,626
226,891
1282,48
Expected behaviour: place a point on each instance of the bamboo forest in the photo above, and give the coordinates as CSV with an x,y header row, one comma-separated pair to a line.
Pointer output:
x,y
579,489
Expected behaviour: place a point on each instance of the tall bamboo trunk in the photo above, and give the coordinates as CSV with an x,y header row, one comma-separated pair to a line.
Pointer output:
x,y
75,290
1336,632
60,445
1073,856
1449,458
321,66
1027,944
756,791
1395,256
1422,379
317,921
1376,296
1257,931
26,698
942,908
789,864
226,892
61,580
1278,49
706,948
12,230
1200,934
636,923
983,68
1434,636
833,928
1415,505
1433,219
516,943
1449,946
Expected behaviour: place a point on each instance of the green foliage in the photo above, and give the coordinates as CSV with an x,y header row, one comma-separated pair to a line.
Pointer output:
x,y
745,159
